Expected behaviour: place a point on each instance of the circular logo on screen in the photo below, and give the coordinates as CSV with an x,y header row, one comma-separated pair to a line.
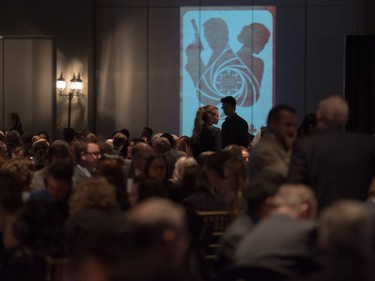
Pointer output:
x,y
228,82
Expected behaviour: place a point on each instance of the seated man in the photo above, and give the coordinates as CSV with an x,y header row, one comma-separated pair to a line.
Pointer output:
x,y
59,150
87,154
148,245
164,243
346,238
283,242
119,141
140,153
10,204
59,185
259,204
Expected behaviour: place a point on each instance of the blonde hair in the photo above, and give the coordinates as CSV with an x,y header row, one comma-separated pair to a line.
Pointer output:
x,y
180,167
95,192
204,115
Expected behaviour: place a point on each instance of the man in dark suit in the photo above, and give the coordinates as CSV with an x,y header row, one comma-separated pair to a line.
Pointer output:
x,y
335,163
234,129
284,242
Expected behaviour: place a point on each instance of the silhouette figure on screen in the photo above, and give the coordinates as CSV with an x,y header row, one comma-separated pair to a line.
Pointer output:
x,y
254,38
225,73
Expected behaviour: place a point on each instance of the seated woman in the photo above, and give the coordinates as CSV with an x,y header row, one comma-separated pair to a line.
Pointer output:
x,y
111,167
202,196
156,168
184,144
92,205
235,171
145,188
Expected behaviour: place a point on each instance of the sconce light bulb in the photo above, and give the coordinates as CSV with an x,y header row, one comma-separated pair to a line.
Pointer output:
x,y
61,83
73,83
79,83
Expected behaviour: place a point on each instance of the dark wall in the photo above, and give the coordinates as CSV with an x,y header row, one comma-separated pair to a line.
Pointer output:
x,y
366,14
127,52
71,23
138,48
27,70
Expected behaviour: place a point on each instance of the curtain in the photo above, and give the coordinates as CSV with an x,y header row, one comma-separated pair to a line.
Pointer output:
x,y
360,82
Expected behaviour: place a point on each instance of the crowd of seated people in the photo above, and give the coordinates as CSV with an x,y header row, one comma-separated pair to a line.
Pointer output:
x,y
298,206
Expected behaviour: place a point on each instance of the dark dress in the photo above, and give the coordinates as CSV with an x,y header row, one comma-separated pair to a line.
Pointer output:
x,y
209,140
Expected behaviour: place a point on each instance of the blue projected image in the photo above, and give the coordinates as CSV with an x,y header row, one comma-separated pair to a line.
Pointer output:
x,y
227,51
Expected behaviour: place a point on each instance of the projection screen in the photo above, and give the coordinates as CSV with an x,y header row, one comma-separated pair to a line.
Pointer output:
x,y
227,51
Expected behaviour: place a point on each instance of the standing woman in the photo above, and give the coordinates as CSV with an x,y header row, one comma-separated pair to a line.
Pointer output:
x,y
206,137
15,123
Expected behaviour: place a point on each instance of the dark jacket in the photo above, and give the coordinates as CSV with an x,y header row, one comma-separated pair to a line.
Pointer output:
x,y
235,131
335,164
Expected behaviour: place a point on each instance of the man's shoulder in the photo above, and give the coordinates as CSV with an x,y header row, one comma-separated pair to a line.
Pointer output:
x,y
360,136
267,141
37,181
236,117
240,120
176,154
80,173
336,136
78,170
40,194
238,228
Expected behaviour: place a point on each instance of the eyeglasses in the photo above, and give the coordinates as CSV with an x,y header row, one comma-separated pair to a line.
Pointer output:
x,y
95,153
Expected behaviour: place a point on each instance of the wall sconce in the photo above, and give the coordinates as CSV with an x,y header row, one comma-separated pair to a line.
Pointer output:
x,y
74,92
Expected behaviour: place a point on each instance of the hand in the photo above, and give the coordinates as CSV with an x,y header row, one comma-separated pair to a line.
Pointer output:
x,y
289,139
193,50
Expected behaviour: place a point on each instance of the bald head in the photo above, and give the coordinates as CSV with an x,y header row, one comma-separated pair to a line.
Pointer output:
x,y
140,153
161,145
167,221
141,148
157,210
299,199
333,111
346,227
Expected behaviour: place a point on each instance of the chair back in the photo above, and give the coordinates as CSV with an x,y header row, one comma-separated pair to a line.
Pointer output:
x,y
58,269
251,273
215,222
